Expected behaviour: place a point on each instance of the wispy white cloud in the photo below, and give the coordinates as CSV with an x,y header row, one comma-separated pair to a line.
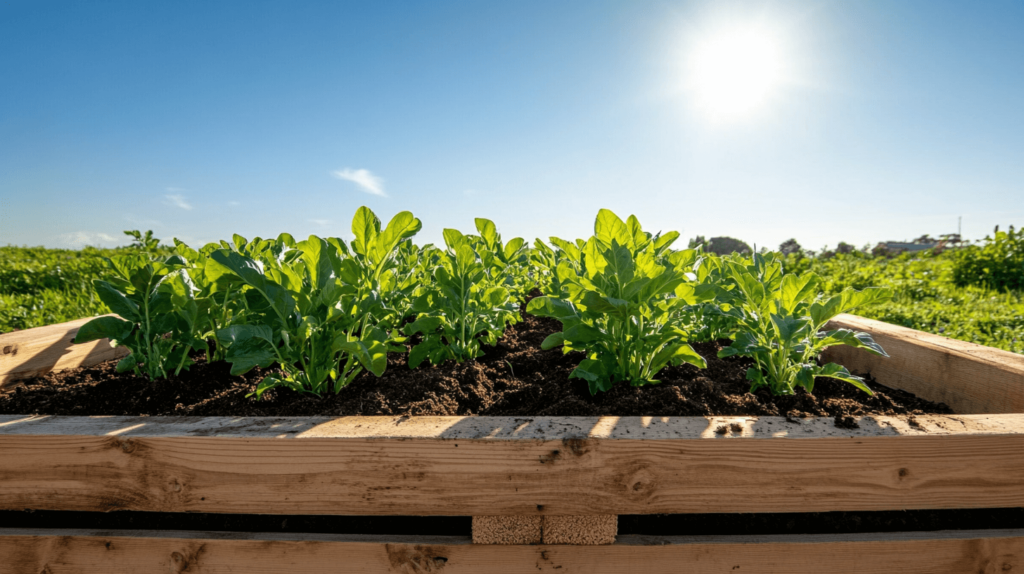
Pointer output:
x,y
79,239
469,192
364,179
321,222
234,203
178,200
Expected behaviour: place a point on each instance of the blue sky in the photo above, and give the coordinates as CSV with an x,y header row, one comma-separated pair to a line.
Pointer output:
x,y
203,119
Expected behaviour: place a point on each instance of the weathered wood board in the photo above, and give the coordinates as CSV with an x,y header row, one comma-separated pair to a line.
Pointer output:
x,y
114,552
970,378
34,352
509,466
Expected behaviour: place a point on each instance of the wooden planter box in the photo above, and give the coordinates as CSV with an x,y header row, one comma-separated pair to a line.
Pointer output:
x,y
538,481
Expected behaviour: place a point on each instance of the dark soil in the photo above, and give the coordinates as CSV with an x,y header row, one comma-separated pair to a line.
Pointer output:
x,y
515,378
653,525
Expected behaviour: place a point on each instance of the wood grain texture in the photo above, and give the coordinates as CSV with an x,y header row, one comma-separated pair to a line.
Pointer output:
x,y
98,552
34,352
970,378
509,466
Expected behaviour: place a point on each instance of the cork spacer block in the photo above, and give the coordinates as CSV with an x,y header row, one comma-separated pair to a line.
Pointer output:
x,y
507,529
589,530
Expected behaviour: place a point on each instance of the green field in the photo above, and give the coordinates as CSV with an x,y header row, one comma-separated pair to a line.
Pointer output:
x,y
40,286
926,298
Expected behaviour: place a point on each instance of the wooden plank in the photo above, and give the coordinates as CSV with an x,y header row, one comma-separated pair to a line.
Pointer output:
x,y
34,352
970,378
112,552
479,466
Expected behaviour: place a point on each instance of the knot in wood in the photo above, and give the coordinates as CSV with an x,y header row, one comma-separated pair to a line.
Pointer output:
x,y
639,482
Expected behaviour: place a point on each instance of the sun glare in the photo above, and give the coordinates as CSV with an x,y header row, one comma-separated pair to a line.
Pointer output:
x,y
733,72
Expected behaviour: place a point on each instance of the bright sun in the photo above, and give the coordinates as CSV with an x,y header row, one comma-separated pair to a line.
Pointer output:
x,y
732,72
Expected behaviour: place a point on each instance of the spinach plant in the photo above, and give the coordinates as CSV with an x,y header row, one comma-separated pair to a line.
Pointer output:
x,y
780,325
217,302
617,302
155,302
461,308
314,306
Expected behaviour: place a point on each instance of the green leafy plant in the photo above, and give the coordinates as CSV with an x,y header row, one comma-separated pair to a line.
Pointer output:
x,y
315,307
144,241
780,324
157,311
622,299
998,263
461,308
217,302
506,264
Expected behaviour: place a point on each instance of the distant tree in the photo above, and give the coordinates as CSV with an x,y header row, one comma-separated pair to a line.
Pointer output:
x,y
790,246
845,247
697,242
727,245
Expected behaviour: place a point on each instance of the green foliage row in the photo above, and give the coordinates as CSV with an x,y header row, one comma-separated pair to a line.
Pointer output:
x,y
926,296
633,305
996,264
326,310
323,309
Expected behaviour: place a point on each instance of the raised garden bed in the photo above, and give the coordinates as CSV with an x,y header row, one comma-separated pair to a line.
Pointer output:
x,y
532,472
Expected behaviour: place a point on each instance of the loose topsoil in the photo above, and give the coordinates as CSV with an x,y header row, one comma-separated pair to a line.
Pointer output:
x,y
515,378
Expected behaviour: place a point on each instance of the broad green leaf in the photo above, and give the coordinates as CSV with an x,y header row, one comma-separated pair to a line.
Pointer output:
x,y
839,372
249,353
582,333
822,313
420,353
423,324
571,250
594,373
318,263
608,227
665,240
512,247
619,262
551,307
853,299
677,353
788,328
452,238
487,230
401,227
117,301
104,328
495,296
128,363
852,339
553,340
372,356
797,289
366,227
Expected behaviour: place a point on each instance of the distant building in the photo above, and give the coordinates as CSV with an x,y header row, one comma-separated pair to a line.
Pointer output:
x,y
920,244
